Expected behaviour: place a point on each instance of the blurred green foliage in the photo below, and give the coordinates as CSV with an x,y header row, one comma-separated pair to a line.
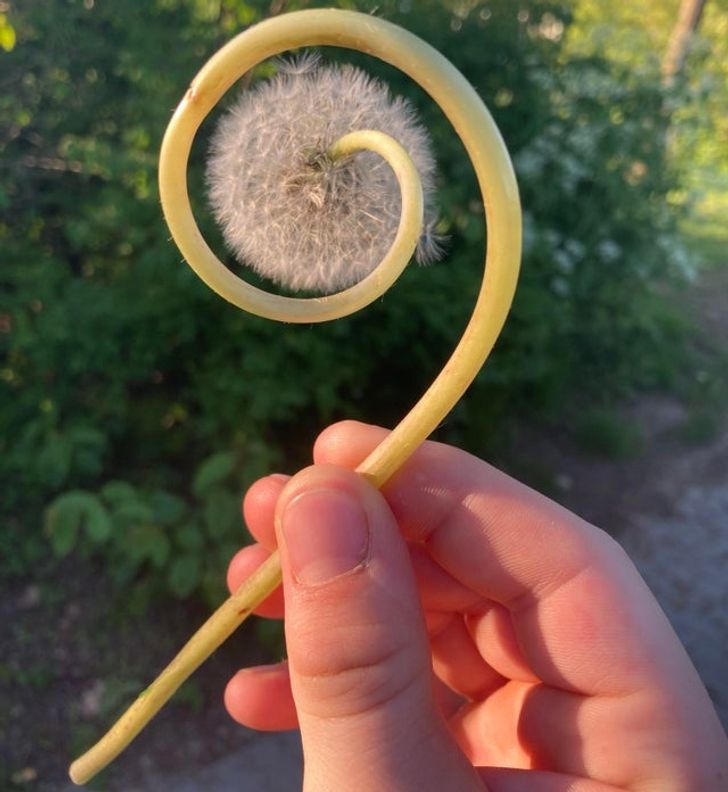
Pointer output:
x,y
635,35
144,404
180,543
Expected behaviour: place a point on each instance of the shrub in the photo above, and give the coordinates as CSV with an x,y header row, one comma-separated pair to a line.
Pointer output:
x,y
121,371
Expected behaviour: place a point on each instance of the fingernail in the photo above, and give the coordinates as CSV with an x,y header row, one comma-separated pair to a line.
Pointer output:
x,y
326,535
268,668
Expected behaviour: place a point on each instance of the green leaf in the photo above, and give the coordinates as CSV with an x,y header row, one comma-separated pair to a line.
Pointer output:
x,y
62,526
54,459
213,587
190,536
74,511
159,547
212,471
222,514
117,492
98,523
132,512
148,543
87,435
168,509
183,575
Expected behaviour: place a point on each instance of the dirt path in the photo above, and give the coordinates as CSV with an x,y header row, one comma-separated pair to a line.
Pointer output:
x,y
684,559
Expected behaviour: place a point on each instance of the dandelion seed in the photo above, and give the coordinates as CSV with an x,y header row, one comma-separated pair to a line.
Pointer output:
x,y
285,208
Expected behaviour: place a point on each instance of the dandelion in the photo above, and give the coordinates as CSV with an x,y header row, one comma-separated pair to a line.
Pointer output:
x,y
287,209
286,205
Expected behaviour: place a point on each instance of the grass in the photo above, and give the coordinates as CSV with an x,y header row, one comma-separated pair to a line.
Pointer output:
x,y
603,432
706,237
705,388
700,426
708,243
705,394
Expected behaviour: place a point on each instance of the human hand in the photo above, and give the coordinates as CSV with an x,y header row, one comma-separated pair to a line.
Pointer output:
x,y
554,667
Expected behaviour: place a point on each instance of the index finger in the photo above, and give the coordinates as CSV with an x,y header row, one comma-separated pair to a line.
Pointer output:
x,y
584,619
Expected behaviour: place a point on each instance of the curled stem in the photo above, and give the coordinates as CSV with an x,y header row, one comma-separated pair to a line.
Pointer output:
x,y
233,612
473,123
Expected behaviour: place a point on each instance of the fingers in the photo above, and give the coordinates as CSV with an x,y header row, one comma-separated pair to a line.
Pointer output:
x,y
439,591
359,658
533,726
488,731
495,638
448,701
580,612
261,698
547,598
458,663
258,509
583,621
441,490
259,506
242,565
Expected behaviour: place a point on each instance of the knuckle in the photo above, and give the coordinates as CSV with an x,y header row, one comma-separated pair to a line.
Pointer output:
x,y
346,677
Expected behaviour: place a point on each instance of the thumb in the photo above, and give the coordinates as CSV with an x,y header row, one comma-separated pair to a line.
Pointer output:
x,y
358,653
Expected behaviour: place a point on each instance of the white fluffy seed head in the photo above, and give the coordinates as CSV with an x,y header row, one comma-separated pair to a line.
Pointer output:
x,y
285,208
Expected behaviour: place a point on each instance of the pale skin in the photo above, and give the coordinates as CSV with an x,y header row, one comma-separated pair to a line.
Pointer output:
x,y
554,668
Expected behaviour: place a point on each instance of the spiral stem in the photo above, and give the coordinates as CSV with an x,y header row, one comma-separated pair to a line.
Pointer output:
x,y
233,612
492,165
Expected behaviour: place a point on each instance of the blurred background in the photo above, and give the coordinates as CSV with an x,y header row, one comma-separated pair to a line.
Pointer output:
x,y
136,406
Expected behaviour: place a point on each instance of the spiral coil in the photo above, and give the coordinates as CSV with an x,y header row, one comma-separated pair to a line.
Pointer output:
x,y
484,145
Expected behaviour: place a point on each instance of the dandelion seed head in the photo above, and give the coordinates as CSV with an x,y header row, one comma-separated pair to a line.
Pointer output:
x,y
290,212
